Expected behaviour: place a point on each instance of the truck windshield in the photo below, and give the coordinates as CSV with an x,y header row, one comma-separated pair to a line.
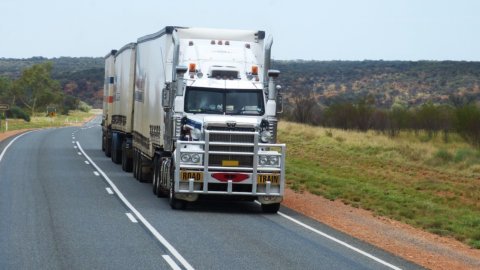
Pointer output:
x,y
224,101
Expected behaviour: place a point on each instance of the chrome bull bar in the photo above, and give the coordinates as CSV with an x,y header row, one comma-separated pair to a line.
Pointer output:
x,y
254,170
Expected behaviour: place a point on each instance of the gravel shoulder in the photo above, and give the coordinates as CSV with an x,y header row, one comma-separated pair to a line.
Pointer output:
x,y
426,249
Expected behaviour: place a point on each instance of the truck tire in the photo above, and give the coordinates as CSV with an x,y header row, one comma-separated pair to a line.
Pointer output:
x,y
175,203
126,161
144,171
116,148
108,146
155,175
135,163
103,142
270,208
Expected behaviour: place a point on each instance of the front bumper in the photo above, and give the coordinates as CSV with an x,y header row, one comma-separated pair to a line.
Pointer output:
x,y
264,182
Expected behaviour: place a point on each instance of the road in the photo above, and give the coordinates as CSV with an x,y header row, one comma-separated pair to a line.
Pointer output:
x,y
64,205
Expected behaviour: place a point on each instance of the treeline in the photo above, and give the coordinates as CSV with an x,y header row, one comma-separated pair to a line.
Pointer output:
x,y
362,115
412,82
36,91
80,77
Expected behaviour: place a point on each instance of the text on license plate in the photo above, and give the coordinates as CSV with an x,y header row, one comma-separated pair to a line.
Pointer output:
x,y
187,175
273,178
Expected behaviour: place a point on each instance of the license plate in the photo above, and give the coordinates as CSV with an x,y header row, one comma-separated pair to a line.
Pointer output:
x,y
230,163
273,178
187,175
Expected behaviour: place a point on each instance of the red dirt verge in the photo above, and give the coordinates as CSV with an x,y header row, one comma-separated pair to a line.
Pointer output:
x,y
423,248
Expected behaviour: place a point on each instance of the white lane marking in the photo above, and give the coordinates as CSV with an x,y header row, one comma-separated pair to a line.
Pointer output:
x,y
73,141
339,241
109,190
75,146
73,137
171,262
10,143
79,153
96,173
86,162
131,217
142,219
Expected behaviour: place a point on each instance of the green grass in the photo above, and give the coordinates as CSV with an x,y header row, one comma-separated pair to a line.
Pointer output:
x,y
431,184
41,121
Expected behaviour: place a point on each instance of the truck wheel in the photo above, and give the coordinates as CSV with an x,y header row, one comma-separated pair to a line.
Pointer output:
x,y
116,148
113,149
135,164
155,175
103,142
126,162
175,203
108,146
144,171
270,208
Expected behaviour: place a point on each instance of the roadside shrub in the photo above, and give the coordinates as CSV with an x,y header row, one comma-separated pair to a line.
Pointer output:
x,y
17,113
84,107
444,155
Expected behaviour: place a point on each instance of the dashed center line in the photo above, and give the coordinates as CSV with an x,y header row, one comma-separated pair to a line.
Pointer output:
x,y
96,173
79,153
86,162
131,217
109,191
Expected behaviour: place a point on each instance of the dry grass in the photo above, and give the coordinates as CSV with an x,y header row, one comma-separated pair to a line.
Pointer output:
x,y
413,178
41,121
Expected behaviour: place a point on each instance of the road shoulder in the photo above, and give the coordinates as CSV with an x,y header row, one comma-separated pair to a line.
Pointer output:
x,y
426,249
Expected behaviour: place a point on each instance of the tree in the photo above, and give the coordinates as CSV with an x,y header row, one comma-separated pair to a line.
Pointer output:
x,y
467,123
36,89
304,109
5,90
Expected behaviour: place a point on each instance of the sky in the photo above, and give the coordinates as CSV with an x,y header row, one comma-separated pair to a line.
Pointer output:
x,y
301,29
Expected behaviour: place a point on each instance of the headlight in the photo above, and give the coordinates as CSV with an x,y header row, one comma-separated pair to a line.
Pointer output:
x,y
265,136
196,134
273,161
263,160
195,158
191,158
186,158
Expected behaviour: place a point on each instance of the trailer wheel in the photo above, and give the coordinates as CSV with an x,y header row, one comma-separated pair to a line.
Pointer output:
x,y
116,151
270,208
135,163
108,146
144,170
126,162
155,175
175,203
103,141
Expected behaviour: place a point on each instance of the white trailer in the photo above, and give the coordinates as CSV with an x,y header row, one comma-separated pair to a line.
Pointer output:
x,y
108,100
204,116
122,109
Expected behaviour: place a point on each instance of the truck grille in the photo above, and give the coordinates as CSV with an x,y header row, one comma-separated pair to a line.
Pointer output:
x,y
235,137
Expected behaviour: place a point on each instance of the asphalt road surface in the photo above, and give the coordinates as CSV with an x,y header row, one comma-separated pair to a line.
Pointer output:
x,y
64,205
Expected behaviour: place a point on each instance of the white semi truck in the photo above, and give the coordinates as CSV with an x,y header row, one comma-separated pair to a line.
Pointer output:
x,y
194,111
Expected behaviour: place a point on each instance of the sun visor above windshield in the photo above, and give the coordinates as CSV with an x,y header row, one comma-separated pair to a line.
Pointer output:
x,y
224,84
